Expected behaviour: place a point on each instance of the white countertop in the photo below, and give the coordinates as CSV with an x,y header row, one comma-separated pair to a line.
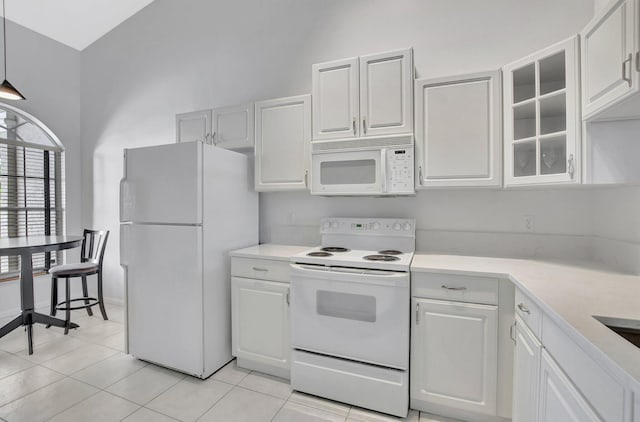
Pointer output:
x,y
570,293
270,251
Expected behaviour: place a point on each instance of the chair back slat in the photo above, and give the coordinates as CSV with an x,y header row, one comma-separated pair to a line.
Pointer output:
x,y
94,243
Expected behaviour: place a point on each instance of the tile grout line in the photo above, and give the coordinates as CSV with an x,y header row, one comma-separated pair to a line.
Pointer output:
x,y
217,401
65,376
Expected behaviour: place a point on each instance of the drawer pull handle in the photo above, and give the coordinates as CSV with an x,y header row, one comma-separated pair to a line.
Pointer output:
x,y
523,308
453,288
260,269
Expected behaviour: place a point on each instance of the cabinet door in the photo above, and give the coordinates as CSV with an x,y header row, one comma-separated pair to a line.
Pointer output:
x,y
542,122
260,321
608,49
233,126
194,126
559,399
386,93
335,99
458,130
526,373
283,135
454,355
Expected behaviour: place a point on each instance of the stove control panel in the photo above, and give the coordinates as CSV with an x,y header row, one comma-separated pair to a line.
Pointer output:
x,y
374,226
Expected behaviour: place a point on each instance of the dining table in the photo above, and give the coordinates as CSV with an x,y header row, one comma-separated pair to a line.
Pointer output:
x,y
25,247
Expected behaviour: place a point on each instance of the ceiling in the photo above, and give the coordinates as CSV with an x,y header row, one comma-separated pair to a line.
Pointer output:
x,y
76,23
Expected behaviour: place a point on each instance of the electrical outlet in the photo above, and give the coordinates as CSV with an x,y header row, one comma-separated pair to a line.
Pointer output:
x,y
529,223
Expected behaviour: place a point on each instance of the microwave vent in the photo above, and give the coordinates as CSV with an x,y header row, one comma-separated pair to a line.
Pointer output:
x,y
362,143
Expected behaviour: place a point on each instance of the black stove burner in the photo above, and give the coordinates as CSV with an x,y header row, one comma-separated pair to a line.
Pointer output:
x,y
319,254
390,252
334,249
386,258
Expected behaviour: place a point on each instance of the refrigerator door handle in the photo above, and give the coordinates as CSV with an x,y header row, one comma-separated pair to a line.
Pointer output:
x,y
124,230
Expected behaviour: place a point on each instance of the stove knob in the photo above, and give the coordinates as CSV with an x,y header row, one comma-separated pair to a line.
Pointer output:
x,y
397,226
407,226
376,226
327,224
334,224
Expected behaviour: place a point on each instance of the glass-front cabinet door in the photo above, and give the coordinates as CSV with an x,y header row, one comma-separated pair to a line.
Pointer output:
x,y
542,118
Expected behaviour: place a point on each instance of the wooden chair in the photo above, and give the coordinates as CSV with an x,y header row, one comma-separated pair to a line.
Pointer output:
x,y
91,256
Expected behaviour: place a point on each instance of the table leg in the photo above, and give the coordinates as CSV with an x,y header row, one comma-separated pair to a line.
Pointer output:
x,y
48,319
26,294
12,325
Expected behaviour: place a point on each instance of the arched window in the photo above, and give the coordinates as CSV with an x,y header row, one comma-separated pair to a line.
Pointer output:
x,y
31,185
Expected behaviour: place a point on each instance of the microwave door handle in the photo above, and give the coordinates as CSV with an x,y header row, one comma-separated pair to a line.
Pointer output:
x,y
383,169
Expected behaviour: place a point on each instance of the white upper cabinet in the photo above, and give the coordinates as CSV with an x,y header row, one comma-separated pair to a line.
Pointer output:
x,y
335,99
611,63
367,96
283,135
386,93
194,126
542,125
458,130
233,127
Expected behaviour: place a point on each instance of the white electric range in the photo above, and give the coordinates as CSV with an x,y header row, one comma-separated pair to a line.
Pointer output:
x,y
350,300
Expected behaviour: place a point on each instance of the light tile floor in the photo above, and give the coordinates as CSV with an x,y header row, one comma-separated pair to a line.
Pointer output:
x,y
86,377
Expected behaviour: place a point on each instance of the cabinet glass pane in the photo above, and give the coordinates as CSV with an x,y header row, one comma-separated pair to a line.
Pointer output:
x,y
553,114
524,159
524,121
553,155
552,73
524,83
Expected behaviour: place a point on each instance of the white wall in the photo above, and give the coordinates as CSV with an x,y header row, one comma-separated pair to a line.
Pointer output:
x,y
180,56
48,75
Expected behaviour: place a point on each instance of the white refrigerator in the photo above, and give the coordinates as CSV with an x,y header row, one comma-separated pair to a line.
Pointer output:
x,y
183,207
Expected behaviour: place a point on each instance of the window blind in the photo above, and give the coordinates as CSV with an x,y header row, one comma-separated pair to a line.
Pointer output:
x,y
31,191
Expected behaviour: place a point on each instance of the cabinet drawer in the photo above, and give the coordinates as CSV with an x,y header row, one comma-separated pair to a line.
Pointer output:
x,y
455,288
261,269
603,392
529,312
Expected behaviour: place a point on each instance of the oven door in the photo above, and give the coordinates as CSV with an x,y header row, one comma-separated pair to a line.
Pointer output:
x,y
356,314
348,172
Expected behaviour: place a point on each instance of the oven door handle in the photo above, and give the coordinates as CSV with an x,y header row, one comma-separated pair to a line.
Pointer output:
x,y
356,275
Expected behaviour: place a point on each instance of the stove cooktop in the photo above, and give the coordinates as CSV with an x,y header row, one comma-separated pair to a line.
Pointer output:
x,y
395,261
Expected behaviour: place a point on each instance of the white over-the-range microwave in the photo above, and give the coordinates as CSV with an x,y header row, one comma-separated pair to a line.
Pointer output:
x,y
363,167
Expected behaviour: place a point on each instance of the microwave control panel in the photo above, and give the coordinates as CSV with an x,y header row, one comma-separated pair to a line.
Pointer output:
x,y
400,170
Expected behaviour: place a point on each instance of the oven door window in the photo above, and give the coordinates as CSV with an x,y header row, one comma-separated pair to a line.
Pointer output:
x,y
346,305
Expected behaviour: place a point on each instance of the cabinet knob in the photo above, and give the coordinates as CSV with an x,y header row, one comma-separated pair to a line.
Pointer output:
x,y
523,308
570,166
364,125
624,69
354,126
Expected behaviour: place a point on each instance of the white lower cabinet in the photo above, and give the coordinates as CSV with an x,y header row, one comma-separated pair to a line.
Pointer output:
x,y
559,399
526,373
260,325
454,356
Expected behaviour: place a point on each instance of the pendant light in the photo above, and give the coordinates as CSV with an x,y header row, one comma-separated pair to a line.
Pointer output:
x,y
7,91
